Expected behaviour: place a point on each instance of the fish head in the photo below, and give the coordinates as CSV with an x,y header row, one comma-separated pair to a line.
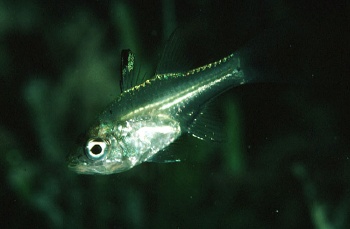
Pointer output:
x,y
100,153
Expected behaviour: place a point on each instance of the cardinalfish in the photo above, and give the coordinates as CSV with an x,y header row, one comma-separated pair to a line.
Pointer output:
x,y
148,116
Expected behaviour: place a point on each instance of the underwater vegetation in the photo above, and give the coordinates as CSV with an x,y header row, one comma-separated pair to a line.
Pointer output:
x,y
284,162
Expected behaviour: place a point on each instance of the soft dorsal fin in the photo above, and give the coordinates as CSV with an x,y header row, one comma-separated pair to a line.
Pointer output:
x,y
174,57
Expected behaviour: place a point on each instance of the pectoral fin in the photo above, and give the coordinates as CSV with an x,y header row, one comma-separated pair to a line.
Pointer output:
x,y
167,155
170,154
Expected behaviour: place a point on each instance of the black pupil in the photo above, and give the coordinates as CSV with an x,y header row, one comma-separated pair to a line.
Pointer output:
x,y
96,149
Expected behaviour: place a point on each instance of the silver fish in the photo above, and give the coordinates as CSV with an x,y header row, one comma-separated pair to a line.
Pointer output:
x,y
148,117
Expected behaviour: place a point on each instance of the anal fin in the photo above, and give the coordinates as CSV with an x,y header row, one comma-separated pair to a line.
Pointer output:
x,y
208,125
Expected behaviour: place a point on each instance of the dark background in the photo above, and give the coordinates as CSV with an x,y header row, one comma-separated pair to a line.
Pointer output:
x,y
285,163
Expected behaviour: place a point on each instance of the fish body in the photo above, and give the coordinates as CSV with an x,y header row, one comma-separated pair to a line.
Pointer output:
x,y
148,117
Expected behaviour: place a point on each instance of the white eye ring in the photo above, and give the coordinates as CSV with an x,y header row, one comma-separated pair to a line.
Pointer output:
x,y
95,148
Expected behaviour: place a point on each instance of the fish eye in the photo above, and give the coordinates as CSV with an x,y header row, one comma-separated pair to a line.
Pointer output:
x,y
95,148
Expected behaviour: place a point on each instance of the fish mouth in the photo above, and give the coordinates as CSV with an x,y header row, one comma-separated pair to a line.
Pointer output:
x,y
79,163
75,160
97,168
81,167
72,162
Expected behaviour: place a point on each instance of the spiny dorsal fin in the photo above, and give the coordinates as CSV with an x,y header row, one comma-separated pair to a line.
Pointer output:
x,y
127,69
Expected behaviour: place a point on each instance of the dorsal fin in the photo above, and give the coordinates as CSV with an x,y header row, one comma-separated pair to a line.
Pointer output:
x,y
174,58
130,71
127,69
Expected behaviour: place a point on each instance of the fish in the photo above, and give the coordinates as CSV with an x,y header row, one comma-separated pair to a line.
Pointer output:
x,y
148,116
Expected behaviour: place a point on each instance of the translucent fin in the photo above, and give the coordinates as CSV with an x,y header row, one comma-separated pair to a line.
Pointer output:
x,y
261,56
167,155
174,58
170,154
160,158
208,125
